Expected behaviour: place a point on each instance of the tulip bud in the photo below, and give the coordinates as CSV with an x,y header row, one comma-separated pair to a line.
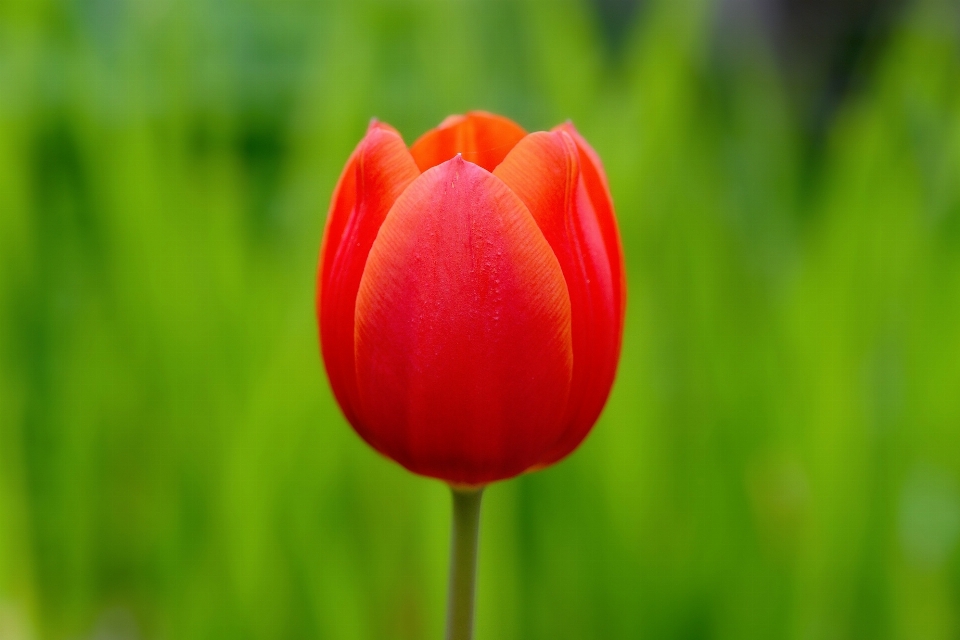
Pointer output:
x,y
471,296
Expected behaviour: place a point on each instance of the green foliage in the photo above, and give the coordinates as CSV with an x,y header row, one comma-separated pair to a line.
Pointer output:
x,y
780,457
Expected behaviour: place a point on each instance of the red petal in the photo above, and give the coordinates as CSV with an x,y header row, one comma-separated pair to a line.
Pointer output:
x,y
483,139
463,330
544,170
375,176
595,180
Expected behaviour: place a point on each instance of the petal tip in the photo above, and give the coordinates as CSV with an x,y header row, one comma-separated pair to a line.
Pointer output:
x,y
377,125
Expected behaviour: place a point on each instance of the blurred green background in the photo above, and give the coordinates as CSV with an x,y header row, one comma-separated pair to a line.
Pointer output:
x,y
780,457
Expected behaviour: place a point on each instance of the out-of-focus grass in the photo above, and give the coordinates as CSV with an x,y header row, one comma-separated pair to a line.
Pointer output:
x,y
780,457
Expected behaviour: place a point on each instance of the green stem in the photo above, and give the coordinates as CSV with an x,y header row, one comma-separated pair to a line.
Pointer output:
x,y
463,563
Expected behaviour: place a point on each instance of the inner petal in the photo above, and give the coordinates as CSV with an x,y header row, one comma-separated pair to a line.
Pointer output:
x,y
482,138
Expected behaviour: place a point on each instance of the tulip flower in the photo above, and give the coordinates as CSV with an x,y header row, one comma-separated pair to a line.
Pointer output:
x,y
471,300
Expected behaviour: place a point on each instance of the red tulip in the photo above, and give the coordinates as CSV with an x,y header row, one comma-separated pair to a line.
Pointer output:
x,y
471,296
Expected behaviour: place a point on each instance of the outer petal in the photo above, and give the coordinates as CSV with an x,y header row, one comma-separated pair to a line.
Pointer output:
x,y
482,138
595,180
463,341
375,176
544,170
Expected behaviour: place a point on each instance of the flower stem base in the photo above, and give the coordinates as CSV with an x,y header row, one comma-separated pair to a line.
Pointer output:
x,y
463,563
